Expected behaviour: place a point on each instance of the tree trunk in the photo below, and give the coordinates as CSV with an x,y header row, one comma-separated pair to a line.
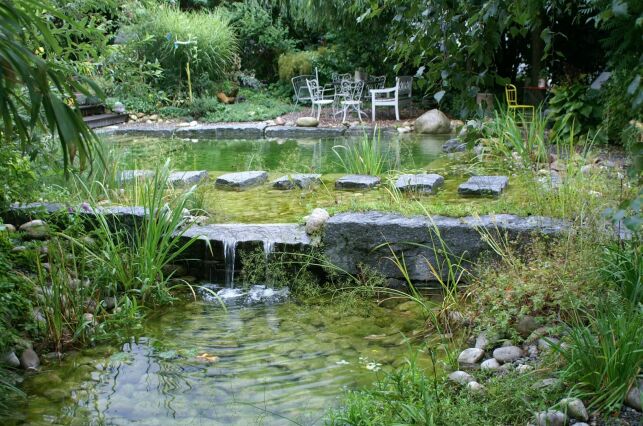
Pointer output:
x,y
537,51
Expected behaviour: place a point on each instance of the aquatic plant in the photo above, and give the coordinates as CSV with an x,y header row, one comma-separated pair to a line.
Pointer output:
x,y
604,358
363,157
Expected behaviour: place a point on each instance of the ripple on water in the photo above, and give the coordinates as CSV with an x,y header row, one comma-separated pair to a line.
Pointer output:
x,y
272,361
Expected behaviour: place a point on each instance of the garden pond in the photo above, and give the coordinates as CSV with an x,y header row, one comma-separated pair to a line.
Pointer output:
x,y
250,364
262,204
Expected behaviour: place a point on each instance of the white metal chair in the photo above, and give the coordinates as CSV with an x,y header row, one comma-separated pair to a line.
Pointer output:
x,y
393,96
352,91
317,98
300,88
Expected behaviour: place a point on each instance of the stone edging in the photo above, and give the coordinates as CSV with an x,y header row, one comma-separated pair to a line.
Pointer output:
x,y
239,131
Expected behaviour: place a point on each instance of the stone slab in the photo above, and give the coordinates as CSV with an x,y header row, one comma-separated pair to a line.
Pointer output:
x,y
484,185
351,239
285,132
420,183
241,180
297,180
357,182
222,131
187,178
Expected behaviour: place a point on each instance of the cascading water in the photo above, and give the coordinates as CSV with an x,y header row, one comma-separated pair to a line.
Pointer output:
x,y
229,254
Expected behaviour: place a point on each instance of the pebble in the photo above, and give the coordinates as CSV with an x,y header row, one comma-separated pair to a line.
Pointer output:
x,y
29,360
490,364
470,356
575,408
461,377
475,387
8,227
507,354
482,341
551,418
11,359
35,229
547,343
633,397
524,368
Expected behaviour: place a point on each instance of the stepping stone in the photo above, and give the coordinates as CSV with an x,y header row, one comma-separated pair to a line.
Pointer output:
x,y
240,181
297,180
422,183
129,175
187,178
484,185
356,182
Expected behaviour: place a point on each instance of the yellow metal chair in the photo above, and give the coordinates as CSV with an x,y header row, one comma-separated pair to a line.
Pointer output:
x,y
511,94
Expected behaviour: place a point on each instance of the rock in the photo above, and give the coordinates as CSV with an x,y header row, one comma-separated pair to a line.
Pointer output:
x,y
433,122
526,325
154,117
297,180
484,185
454,145
18,249
404,129
507,354
316,220
307,122
90,306
88,318
119,108
193,123
470,356
7,227
490,364
357,182
537,334
362,237
574,408
483,341
109,303
461,377
35,229
633,397
475,387
420,183
547,343
524,368
551,418
29,360
456,124
279,121
241,180
179,179
129,175
11,359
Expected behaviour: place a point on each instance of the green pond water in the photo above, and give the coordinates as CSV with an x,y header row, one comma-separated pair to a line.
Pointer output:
x,y
274,362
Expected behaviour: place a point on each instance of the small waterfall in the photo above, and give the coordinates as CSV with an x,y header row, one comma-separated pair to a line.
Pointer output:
x,y
268,248
229,254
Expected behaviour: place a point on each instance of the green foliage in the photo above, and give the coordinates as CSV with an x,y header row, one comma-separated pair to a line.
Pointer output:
x,y
578,110
261,37
35,91
409,396
296,63
623,267
604,358
17,178
204,40
364,157
258,105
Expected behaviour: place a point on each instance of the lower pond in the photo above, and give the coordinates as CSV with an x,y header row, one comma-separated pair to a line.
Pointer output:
x,y
199,364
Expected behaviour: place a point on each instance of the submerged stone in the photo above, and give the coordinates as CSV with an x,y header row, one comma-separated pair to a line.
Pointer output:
x,y
484,185
241,180
297,180
192,177
454,145
357,182
421,183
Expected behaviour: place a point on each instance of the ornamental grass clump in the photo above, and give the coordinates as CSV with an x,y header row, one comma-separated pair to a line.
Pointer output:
x,y
364,157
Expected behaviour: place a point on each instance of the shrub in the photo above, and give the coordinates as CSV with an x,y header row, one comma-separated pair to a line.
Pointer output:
x,y
17,178
296,63
205,40
262,38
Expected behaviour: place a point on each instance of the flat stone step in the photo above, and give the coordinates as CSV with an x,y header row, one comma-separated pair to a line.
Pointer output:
x,y
484,185
420,183
297,180
187,178
357,182
241,180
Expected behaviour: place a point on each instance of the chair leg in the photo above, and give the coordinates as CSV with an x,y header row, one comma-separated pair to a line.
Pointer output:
x,y
319,112
373,112
397,112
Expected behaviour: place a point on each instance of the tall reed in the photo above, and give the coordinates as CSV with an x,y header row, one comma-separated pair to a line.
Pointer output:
x,y
363,157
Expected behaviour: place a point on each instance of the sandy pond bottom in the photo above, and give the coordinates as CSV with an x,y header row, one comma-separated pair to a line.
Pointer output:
x,y
198,364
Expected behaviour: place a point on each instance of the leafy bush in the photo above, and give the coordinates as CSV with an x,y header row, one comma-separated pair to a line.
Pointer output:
x,y
204,40
623,266
17,178
262,38
296,63
577,109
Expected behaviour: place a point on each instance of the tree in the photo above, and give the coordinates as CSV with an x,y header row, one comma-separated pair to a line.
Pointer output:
x,y
36,93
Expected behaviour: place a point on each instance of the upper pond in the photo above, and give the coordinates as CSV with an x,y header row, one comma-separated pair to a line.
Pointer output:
x,y
263,204
264,364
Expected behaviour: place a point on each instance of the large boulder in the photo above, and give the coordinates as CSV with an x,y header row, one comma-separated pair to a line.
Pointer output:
x,y
433,122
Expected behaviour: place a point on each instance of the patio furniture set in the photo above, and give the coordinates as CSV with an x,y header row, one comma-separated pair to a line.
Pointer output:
x,y
346,94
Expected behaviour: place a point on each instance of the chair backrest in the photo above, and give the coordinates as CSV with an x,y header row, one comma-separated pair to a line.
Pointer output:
x,y
404,86
339,77
298,84
376,82
315,89
352,89
511,94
